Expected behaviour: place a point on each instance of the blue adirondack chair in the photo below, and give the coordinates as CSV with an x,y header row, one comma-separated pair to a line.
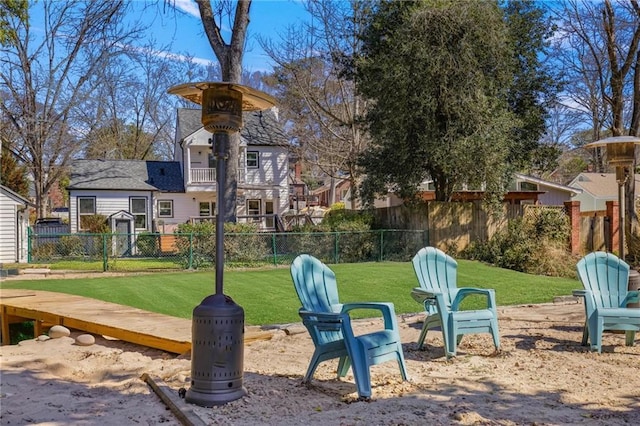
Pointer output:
x,y
329,325
605,278
441,298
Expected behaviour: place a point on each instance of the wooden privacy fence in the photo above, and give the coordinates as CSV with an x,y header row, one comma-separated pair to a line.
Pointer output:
x,y
594,232
453,226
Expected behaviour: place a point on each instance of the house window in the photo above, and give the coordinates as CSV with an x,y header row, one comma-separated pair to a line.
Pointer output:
x,y
206,208
138,209
252,159
527,186
86,207
165,208
253,208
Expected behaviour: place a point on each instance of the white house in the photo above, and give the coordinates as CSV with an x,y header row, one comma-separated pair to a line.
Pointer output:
x,y
14,221
156,196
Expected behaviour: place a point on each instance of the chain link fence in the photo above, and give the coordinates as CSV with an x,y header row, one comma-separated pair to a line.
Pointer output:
x,y
154,251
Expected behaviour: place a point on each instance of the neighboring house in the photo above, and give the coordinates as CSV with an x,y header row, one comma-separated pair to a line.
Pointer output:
x,y
597,189
156,196
523,190
342,192
14,221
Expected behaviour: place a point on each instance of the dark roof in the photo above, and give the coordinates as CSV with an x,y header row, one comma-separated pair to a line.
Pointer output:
x,y
259,127
134,175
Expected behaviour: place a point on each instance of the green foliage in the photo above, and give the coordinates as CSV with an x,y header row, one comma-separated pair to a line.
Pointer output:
x,y
12,175
438,73
70,246
95,224
44,252
533,244
11,8
197,244
148,245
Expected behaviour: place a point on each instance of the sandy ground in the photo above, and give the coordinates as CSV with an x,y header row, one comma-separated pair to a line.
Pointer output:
x,y
542,376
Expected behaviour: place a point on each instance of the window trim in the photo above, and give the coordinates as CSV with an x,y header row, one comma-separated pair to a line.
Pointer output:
x,y
160,215
80,214
259,201
135,215
257,160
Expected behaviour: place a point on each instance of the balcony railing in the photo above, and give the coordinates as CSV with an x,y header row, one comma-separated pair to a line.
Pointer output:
x,y
207,175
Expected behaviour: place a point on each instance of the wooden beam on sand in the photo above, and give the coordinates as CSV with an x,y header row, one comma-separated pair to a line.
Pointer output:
x,y
125,323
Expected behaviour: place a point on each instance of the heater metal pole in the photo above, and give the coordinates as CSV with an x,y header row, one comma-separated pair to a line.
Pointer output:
x,y
220,146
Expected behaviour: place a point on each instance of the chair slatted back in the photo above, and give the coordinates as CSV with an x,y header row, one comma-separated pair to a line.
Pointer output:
x,y
317,289
606,276
436,271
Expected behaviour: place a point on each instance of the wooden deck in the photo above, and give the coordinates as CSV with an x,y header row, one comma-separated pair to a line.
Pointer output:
x,y
133,325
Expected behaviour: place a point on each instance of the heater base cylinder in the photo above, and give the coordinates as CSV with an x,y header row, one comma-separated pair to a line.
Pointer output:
x,y
217,352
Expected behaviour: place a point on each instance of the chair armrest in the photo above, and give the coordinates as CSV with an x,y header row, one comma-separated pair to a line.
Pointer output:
x,y
468,291
632,297
386,308
324,321
423,296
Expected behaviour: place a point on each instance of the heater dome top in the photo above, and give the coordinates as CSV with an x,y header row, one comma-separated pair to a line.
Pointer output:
x,y
252,99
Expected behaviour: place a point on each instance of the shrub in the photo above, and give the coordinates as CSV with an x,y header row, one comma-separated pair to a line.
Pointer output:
x,y
242,243
71,246
95,224
534,244
148,245
43,251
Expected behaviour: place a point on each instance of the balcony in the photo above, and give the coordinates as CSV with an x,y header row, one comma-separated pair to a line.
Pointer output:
x,y
202,175
208,175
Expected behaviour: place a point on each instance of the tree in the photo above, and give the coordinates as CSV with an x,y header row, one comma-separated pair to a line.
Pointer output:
x,y
12,175
313,81
47,79
436,74
532,93
229,56
10,8
603,56
131,115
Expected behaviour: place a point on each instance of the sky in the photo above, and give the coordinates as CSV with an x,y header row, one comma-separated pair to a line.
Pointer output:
x,y
184,30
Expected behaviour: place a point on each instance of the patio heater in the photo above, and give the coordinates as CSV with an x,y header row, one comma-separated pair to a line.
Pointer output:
x,y
620,154
217,329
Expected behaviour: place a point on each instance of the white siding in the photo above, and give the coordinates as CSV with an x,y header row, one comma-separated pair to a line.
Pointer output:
x,y
184,207
13,224
107,203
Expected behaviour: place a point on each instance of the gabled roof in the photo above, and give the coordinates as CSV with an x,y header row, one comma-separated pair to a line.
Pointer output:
x,y
600,185
538,181
15,196
131,175
259,127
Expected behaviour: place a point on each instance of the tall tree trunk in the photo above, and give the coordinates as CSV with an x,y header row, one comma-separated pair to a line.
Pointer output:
x,y
230,58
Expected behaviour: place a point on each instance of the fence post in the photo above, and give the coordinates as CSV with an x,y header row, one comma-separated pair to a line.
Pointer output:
x,y
273,246
29,235
190,251
381,245
573,211
335,247
105,262
615,228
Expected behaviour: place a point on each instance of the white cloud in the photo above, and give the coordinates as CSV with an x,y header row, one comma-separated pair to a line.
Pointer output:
x,y
188,6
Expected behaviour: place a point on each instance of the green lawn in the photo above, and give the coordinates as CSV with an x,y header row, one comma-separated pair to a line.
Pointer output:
x,y
268,296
